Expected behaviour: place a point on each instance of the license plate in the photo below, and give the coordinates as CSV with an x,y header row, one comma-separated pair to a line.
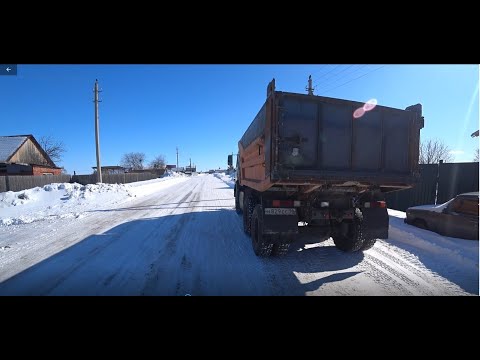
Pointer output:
x,y
280,211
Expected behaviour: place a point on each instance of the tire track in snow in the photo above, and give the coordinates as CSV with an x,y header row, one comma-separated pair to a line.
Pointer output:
x,y
47,243
403,276
391,285
123,274
95,222
431,283
170,244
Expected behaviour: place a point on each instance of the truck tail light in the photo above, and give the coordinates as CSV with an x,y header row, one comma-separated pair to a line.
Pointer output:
x,y
376,204
282,203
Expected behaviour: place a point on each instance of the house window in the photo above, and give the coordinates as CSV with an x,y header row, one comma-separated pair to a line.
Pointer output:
x,y
47,174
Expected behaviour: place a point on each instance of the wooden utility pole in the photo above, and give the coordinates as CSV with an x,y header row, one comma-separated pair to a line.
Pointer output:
x,y
177,158
97,140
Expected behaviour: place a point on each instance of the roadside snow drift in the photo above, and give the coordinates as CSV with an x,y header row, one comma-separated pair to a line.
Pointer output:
x,y
228,179
65,200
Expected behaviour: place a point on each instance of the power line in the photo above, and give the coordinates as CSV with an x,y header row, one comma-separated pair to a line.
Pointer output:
x,y
316,72
355,78
346,75
328,72
334,77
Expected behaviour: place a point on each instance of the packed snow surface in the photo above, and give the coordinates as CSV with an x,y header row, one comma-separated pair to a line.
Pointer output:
x,y
180,235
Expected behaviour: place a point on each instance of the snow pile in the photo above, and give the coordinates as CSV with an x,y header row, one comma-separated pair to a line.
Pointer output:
x,y
459,250
65,200
228,179
170,173
142,188
57,200
450,257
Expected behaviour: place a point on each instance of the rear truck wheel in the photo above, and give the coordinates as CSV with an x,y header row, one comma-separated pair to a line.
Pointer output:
x,y
368,244
349,237
260,242
281,244
374,225
237,200
248,207
280,249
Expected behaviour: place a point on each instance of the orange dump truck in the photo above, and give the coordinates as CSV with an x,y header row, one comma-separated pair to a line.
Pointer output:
x,y
325,163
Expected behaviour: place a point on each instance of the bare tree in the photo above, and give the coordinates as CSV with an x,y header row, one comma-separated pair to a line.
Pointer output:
x,y
475,156
158,162
434,150
54,148
133,160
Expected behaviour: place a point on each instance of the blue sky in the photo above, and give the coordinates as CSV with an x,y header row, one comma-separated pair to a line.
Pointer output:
x,y
204,109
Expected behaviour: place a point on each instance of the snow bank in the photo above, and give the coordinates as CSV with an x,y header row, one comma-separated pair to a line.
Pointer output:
x,y
170,173
57,200
143,188
228,179
457,253
65,200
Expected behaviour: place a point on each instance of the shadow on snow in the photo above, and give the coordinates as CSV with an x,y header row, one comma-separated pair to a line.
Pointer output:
x,y
196,253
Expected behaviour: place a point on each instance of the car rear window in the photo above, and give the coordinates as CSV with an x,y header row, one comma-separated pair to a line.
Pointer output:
x,y
467,206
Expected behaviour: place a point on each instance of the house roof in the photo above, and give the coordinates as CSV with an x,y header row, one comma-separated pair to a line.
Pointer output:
x,y
9,145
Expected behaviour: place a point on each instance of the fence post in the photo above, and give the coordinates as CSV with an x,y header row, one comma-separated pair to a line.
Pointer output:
x,y
437,180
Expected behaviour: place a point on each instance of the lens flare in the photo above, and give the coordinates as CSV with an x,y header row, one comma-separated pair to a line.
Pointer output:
x,y
358,113
370,105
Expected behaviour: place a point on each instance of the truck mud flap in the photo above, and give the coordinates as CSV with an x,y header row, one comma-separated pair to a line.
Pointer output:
x,y
375,223
280,221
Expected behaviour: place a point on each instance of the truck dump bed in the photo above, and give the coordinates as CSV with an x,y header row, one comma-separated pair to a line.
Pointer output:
x,y
311,141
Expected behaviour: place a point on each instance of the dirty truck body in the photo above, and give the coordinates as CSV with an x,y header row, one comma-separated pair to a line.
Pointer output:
x,y
308,159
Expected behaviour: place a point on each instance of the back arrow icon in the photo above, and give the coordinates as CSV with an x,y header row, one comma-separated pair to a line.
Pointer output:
x,y
8,69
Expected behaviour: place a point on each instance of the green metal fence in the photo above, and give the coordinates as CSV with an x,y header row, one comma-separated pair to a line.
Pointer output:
x,y
452,179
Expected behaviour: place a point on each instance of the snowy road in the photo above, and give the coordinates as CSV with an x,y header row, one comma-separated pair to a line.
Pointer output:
x,y
187,239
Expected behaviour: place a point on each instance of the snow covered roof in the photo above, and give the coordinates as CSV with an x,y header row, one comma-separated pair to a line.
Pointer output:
x,y
8,146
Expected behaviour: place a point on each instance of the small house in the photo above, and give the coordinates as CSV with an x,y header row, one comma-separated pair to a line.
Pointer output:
x,y
23,155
